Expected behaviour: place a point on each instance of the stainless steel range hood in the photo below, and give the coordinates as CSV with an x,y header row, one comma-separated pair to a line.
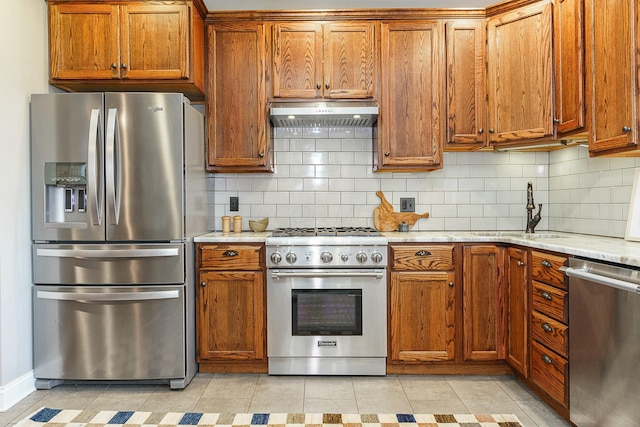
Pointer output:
x,y
324,114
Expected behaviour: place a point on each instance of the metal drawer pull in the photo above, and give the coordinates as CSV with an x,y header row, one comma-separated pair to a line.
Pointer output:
x,y
520,263
546,263
546,327
230,253
546,359
423,253
546,295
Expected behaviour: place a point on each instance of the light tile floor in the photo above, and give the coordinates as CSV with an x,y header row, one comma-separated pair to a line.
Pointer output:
x,y
264,393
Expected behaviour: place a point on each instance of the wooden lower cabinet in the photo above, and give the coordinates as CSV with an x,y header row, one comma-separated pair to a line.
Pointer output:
x,y
446,309
231,308
550,329
517,305
422,316
483,302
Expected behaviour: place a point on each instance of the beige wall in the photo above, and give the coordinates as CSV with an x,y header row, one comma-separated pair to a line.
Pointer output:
x,y
24,71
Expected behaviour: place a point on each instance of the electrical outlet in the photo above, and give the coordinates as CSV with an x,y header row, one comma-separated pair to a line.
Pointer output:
x,y
234,204
407,204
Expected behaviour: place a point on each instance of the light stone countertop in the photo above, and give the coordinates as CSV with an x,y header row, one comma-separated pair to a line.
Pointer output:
x,y
595,247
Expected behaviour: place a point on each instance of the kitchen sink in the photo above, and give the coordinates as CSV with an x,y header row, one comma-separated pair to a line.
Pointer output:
x,y
518,234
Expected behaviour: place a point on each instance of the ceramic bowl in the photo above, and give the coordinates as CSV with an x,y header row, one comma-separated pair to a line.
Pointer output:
x,y
259,225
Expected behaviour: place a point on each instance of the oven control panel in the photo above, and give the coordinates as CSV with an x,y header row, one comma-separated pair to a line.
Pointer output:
x,y
359,256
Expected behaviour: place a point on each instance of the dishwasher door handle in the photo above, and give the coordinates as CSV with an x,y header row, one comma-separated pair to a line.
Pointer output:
x,y
601,280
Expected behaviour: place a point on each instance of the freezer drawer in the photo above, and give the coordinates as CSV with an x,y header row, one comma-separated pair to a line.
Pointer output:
x,y
108,264
115,333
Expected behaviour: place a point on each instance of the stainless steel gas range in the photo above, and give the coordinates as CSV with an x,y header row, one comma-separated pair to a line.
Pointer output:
x,y
326,301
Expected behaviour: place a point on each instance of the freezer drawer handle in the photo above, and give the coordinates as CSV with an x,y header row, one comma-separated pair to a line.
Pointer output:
x,y
100,253
106,297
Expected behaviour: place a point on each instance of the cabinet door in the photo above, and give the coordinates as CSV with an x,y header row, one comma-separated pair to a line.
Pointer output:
x,y
83,41
611,32
483,300
348,60
520,75
297,60
154,41
230,310
518,308
412,96
422,316
236,102
569,65
465,40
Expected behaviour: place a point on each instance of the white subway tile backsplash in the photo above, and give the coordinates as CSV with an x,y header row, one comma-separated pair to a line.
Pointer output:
x,y
324,177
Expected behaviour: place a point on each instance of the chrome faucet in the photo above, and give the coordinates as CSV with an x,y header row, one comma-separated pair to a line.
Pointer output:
x,y
532,220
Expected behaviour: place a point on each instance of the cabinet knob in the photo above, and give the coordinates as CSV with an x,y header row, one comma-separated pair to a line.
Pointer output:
x,y
318,86
546,327
230,253
386,153
423,253
123,65
546,263
451,284
327,85
556,120
521,263
626,129
491,130
546,359
203,284
546,295
481,130
261,154
114,65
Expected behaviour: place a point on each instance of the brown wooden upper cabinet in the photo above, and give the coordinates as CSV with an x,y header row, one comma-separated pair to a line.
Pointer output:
x,y
237,123
120,45
568,38
323,60
612,32
412,108
466,103
520,75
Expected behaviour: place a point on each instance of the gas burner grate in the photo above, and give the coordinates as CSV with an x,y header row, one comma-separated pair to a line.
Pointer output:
x,y
324,231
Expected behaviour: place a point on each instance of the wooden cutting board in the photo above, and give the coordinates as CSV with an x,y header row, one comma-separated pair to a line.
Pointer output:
x,y
385,219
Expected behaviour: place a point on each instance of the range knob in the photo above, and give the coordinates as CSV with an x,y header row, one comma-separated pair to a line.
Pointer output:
x,y
291,257
376,257
276,258
361,257
326,257
344,257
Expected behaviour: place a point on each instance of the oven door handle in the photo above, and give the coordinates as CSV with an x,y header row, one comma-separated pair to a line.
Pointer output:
x,y
376,274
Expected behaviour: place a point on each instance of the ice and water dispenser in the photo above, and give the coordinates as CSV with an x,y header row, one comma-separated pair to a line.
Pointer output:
x,y
65,192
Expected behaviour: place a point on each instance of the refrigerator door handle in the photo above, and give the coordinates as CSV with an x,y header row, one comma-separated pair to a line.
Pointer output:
x,y
89,297
112,166
106,253
95,184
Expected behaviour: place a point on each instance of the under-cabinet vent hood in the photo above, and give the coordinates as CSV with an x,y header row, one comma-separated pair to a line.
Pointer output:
x,y
324,114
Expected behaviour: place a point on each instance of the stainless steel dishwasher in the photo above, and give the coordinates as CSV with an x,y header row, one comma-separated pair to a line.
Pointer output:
x,y
604,344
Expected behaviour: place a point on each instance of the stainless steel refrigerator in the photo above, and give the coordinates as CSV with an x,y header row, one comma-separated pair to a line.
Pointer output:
x,y
118,193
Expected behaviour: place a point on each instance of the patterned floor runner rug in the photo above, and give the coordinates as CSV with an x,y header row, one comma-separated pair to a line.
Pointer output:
x,y
48,417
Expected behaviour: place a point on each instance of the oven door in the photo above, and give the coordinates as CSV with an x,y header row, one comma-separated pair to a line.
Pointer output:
x,y
327,313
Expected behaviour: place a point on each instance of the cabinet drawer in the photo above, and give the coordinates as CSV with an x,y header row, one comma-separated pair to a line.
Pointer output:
x,y
551,301
422,257
230,257
551,333
550,372
546,268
